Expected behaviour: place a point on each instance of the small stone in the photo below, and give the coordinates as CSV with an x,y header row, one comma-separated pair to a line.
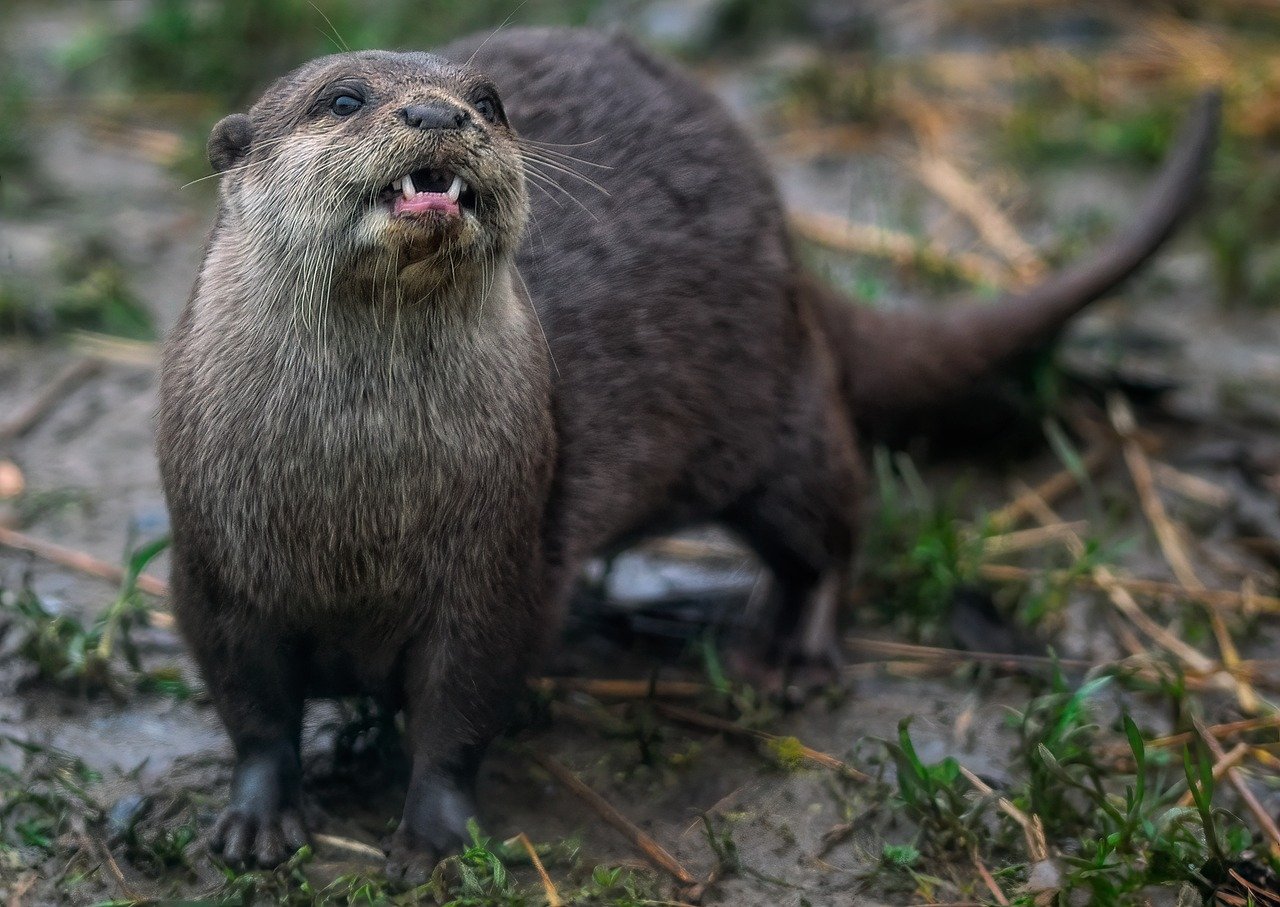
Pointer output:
x,y
1045,875
124,813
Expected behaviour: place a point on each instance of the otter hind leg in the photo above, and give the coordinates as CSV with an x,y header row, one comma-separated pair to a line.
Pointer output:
x,y
792,647
802,521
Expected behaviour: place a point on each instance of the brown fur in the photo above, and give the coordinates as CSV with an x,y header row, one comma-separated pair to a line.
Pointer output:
x,y
379,483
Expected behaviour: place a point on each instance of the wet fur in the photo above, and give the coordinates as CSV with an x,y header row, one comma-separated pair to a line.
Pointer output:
x,y
394,491
356,451
702,375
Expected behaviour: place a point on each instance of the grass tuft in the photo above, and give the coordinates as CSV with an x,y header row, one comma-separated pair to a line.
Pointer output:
x,y
96,657
917,551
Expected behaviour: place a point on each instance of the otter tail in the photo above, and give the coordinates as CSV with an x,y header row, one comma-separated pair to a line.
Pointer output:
x,y
895,364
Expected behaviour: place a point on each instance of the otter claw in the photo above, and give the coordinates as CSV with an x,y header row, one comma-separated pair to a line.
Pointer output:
x,y
411,866
246,840
413,860
434,826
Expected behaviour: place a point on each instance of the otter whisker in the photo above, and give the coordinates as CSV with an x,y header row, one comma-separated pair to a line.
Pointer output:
x,y
489,275
544,155
326,300
268,144
541,187
552,167
221,173
538,321
531,171
484,292
559,155
525,140
501,25
395,323
567,171
342,44
539,178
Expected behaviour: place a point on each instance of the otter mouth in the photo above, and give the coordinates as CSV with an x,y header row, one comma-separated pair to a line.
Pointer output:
x,y
428,191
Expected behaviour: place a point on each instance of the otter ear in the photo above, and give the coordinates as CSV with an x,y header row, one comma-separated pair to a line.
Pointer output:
x,y
229,141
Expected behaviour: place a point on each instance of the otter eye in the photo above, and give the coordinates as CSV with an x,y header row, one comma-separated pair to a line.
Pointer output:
x,y
345,104
487,109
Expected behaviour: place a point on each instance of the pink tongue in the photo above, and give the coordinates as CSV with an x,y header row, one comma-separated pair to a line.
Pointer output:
x,y
424,202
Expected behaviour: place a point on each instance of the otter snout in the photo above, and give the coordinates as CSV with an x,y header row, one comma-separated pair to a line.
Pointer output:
x,y
435,115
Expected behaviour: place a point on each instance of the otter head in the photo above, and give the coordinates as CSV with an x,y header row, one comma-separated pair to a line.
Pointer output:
x,y
376,166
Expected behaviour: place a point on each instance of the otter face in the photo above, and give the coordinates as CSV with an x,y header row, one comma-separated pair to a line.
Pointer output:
x,y
394,161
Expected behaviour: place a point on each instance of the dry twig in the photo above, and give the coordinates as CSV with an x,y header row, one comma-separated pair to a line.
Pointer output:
x,y
104,857
12,482
1227,599
1032,827
900,248
1125,603
712,723
1218,730
961,656
137,353
375,854
49,397
1265,821
1170,539
987,879
653,851
1144,483
609,688
1024,539
78,561
961,193
1051,489
1193,488
548,886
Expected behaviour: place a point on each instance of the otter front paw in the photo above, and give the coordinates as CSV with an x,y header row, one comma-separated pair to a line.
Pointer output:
x,y
262,824
434,826
258,837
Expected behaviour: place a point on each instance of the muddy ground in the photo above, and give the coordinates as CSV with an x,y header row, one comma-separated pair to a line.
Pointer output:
x,y
92,486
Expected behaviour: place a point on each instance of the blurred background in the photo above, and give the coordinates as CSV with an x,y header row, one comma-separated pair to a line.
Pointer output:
x,y
928,150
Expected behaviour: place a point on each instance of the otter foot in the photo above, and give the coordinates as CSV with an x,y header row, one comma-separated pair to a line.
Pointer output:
x,y
793,678
262,824
808,672
263,838
434,826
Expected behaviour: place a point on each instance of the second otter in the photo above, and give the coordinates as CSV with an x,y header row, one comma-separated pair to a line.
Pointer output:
x,y
379,480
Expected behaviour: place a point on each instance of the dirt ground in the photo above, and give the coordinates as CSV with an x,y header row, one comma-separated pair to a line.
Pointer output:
x,y
801,834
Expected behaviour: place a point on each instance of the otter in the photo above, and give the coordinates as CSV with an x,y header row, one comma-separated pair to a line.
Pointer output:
x,y
394,422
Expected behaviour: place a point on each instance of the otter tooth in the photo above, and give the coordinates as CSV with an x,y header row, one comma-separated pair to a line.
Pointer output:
x,y
408,188
456,187
395,185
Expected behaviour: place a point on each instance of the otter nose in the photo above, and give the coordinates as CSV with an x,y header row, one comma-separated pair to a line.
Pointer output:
x,y
435,115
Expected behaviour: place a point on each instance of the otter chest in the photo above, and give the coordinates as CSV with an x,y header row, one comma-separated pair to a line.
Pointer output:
x,y
343,478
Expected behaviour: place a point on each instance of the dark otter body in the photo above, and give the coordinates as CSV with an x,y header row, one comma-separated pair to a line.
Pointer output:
x,y
367,502
702,375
